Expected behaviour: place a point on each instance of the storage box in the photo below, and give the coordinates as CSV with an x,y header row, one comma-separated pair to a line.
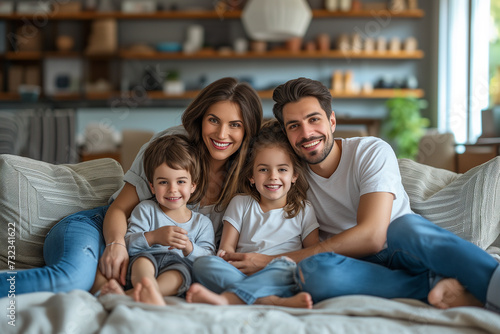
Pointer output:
x,y
134,6
15,78
6,7
69,7
33,7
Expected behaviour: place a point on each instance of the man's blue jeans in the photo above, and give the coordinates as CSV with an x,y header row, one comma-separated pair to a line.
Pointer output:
x,y
416,248
71,251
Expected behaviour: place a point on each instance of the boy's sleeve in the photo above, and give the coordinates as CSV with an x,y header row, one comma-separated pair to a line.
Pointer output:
x,y
204,242
139,222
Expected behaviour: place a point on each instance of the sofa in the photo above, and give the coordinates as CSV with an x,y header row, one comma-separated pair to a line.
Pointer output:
x,y
35,195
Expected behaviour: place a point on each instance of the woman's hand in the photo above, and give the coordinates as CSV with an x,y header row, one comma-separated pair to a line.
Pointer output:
x,y
248,263
114,261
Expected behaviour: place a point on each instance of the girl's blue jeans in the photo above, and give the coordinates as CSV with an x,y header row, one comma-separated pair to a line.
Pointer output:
x,y
419,253
277,278
71,252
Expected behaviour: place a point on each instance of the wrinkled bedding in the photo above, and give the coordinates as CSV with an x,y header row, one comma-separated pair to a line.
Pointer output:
x,y
81,312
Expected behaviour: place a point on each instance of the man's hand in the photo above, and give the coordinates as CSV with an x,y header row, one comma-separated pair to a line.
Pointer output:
x,y
248,263
114,262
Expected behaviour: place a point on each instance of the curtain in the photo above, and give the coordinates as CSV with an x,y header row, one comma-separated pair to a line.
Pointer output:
x,y
43,134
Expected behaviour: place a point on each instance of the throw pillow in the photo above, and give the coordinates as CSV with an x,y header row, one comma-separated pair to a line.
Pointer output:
x,y
465,204
35,195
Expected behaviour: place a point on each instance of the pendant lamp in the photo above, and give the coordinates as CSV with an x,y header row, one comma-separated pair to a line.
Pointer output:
x,y
276,20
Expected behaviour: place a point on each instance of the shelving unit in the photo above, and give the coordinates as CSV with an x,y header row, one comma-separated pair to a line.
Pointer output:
x,y
208,54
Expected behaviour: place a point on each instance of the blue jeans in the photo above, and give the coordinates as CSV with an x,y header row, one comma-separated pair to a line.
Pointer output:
x,y
277,278
71,251
416,249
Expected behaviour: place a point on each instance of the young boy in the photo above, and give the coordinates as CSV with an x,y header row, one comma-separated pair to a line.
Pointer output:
x,y
164,236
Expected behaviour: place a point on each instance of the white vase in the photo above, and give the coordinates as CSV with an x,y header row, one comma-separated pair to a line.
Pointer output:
x,y
345,5
332,5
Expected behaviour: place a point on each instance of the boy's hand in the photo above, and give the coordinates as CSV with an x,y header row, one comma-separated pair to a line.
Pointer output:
x,y
173,236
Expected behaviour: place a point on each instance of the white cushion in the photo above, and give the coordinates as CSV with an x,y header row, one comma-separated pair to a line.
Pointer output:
x,y
35,195
465,204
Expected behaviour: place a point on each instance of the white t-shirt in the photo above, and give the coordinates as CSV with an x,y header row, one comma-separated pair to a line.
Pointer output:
x,y
367,165
269,232
136,177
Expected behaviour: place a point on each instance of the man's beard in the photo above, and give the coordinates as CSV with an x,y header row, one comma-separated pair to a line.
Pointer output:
x,y
316,157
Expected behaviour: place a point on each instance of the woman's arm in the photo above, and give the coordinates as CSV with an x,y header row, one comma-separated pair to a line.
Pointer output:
x,y
229,239
114,260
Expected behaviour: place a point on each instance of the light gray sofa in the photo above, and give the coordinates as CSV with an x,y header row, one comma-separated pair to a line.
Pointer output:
x,y
35,195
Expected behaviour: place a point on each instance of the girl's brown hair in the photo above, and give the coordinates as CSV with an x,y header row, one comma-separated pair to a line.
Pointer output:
x,y
241,93
271,135
177,153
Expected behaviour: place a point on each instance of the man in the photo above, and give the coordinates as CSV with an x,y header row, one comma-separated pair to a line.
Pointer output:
x,y
364,213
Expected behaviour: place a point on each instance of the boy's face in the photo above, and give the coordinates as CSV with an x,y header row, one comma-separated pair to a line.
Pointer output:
x,y
172,187
309,130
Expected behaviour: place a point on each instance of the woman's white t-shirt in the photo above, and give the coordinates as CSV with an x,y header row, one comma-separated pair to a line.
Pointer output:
x,y
269,232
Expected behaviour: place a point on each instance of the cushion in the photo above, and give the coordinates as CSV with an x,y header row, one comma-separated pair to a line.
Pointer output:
x,y
35,195
465,204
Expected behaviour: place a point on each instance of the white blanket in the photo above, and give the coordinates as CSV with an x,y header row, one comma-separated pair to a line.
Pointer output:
x,y
80,312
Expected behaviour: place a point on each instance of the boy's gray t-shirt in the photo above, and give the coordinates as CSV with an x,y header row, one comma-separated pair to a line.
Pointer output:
x,y
148,216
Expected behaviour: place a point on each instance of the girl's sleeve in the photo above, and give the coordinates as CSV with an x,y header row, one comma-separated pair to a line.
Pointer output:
x,y
139,222
204,243
309,221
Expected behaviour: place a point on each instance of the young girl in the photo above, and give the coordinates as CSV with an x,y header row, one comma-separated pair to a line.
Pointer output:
x,y
272,218
164,236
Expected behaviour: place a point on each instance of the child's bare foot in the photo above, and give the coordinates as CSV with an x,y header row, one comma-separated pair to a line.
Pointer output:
x,y
450,293
113,287
197,293
146,292
300,300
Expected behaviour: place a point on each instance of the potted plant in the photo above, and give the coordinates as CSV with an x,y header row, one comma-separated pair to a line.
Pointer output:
x,y
405,125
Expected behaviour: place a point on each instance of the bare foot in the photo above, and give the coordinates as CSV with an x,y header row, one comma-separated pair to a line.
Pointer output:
x,y
113,287
300,300
146,292
450,293
197,293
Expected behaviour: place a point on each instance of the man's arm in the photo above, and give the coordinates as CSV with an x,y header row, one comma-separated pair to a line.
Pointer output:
x,y
366,238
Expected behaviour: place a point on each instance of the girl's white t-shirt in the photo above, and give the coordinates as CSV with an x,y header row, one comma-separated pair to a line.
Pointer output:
x,y
367,165
269,232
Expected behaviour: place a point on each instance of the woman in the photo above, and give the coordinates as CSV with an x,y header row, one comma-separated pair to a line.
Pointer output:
x,y
221,121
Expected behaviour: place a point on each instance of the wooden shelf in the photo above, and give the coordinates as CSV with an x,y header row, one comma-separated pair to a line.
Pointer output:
x,y
275,54
23,55
208,14
264,94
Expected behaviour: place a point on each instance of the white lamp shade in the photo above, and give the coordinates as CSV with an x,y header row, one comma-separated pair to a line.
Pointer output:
x,y
276,20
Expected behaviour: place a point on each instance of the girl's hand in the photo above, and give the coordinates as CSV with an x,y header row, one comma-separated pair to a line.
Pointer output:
x,y
221,253
173,236
114,262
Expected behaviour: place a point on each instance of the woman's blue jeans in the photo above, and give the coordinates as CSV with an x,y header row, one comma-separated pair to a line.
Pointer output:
x,y
71,252
277,278
416,249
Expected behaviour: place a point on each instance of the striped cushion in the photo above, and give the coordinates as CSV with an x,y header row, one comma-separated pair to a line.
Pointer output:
x,y
465,204
35,195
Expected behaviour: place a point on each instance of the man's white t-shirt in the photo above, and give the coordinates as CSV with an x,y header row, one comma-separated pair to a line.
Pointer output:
x,y
269,232
367,165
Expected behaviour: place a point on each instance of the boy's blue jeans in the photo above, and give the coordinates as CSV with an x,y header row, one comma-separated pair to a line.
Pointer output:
x,y
71,252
